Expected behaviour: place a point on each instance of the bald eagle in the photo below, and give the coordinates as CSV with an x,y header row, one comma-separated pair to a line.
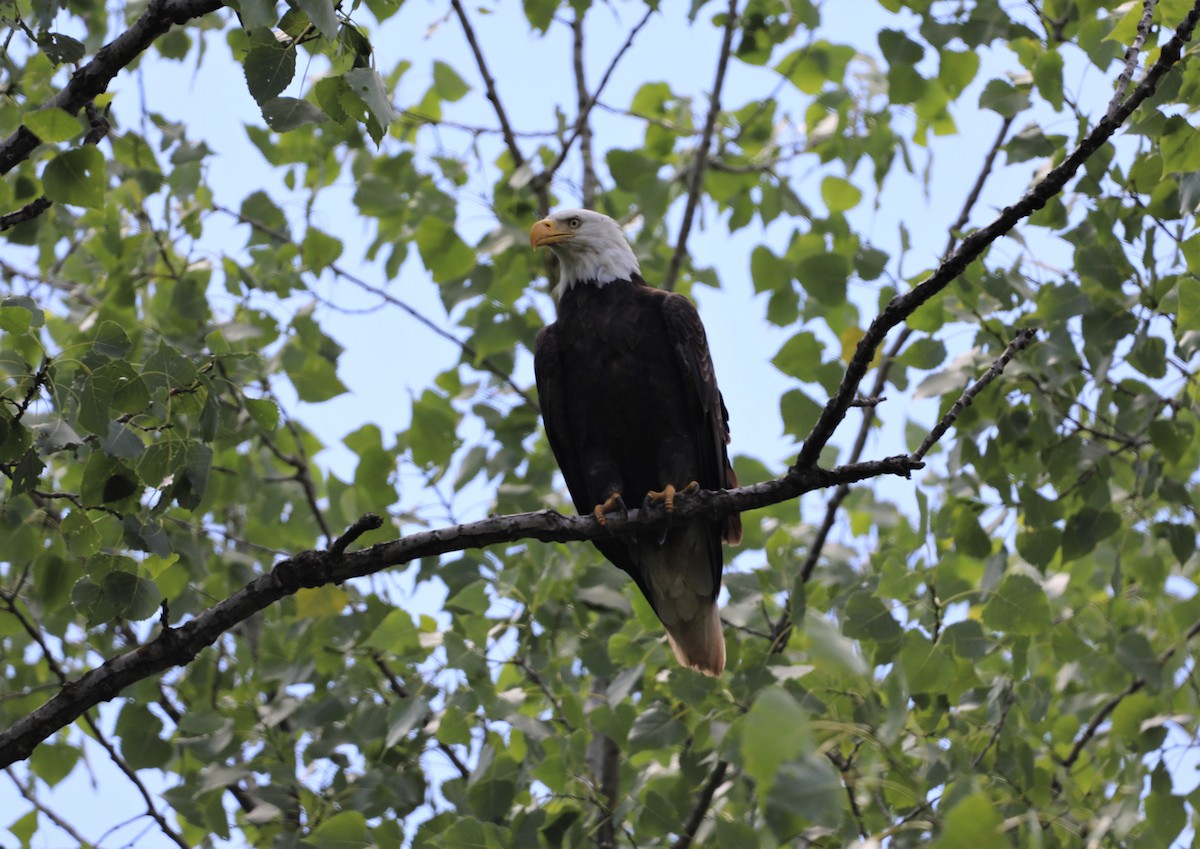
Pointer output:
x,y
632,411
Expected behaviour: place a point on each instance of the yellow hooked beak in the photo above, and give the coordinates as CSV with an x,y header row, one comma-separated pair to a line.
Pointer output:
x,y
546,232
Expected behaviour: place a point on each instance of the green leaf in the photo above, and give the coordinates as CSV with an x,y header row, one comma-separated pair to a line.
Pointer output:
x,y
1003,98
53,125
258,13
1048,77
445,255
1085,529
344,830
774,731
866,618
61,49
926,667
656,728
1019,606
395,634
323,16
811,68
799,413
1180,145
284,114
800,357
824,276
769,272
264,411
139,730
366,85
449,85
431,437
269,68
973,823
840,195
1138,658
76,177
319,250
808,790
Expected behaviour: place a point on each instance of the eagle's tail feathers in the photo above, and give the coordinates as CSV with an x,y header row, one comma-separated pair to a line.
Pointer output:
x,y
699,642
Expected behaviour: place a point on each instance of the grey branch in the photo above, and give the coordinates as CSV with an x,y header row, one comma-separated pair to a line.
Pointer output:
x,y
93,78
179,646
1022,340
1131,55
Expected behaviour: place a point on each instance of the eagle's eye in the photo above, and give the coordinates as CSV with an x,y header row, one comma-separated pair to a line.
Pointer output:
x,y
573,223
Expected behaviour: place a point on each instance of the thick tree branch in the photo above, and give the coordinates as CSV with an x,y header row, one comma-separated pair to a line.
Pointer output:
x,y
696,175
93,78
179,646
902,306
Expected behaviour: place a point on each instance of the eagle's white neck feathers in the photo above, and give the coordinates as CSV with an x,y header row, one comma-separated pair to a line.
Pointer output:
x,y
598,254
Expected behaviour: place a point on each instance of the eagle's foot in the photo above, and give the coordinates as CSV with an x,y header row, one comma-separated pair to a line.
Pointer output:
x,y
667,496
613,502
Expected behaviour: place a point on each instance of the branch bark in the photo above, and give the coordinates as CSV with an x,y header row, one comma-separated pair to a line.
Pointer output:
x,y
93,78
179,646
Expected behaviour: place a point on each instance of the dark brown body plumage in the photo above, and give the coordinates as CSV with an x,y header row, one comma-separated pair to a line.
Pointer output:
x,y
631,404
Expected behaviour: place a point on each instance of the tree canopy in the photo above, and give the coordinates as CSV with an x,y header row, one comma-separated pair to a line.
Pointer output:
x,y
284,613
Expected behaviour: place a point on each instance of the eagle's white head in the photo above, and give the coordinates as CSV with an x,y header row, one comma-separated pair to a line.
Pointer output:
x,y
590,246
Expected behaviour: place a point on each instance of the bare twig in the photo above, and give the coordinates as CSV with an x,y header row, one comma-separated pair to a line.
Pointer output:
x,y
472,358
27,791
1022,340
366,522
583,125
1131,55
582,128
510,139
28,212
696,176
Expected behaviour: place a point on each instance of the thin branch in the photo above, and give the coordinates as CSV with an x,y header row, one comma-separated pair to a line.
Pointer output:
x,y
1021,342
470,356
403,692
28,212
697,173
1131,55
700,809
27,791
1108,707
583,125
582,129
93,78
902,306
510,140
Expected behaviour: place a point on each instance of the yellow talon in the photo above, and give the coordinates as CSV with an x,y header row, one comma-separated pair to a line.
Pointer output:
x,y
611,503
667,495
